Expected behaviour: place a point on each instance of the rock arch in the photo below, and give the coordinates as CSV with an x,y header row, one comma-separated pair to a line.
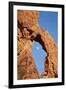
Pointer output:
x,y
28,31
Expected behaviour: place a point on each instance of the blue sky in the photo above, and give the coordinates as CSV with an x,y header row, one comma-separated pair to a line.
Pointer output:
x,y
47,20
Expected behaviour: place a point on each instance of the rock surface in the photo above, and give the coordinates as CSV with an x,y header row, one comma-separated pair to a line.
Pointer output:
x,y
29,31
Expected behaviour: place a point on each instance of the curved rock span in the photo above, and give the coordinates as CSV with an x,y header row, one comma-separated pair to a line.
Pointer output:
x,y
29,31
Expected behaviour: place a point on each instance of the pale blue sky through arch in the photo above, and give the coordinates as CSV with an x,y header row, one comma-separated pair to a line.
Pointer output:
x,y
49,21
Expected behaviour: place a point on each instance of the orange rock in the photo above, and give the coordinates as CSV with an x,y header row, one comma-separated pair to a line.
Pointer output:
x,y
29,31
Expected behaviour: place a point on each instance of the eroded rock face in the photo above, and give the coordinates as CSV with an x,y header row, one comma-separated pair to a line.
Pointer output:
x,y
27,18
29,31
26,64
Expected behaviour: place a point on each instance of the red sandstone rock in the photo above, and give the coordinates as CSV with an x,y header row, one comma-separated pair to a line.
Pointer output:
x,y
28,31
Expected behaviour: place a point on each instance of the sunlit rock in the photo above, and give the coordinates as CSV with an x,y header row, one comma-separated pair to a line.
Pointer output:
x,y
29,31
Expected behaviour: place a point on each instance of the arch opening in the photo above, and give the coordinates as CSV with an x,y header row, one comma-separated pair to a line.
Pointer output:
x,y
39,54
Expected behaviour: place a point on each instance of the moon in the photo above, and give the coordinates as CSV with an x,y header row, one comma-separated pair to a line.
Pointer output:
x,y
37,48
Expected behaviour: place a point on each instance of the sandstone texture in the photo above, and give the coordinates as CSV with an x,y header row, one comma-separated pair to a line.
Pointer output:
x,y
29,31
